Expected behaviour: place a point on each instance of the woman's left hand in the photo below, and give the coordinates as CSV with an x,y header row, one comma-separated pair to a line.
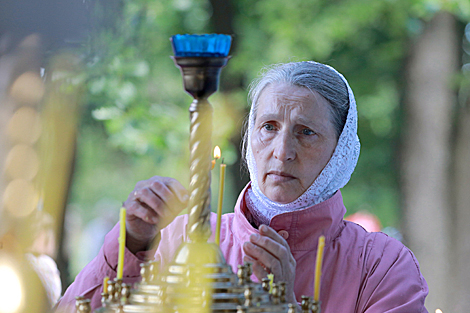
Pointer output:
x,y
270,253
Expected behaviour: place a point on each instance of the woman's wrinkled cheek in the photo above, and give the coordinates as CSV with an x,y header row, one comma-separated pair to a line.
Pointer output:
x,y
258,147
259,142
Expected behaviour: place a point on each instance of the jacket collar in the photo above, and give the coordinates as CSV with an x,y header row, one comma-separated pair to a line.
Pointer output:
x,y
303,227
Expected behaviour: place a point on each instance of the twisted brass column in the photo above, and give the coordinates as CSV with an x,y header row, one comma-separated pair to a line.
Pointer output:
x,y
200,79
200,170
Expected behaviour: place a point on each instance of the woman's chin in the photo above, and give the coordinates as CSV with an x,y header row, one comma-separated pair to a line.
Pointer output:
x,y
281,196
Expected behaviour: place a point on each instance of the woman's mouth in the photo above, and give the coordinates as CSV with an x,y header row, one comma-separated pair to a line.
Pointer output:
x,y
280,177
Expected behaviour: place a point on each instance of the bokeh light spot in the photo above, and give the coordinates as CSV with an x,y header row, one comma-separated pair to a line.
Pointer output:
x,y
20,198
25,126
28,88
10,290
22,162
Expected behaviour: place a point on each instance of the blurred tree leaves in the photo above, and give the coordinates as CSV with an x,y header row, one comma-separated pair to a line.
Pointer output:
x,y
135,94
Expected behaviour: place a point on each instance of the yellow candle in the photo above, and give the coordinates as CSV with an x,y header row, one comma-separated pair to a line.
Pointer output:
x,y
105,284
221,199
321,246
122,243
271,281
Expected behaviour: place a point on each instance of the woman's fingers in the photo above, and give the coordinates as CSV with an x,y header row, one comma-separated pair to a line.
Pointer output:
x,y
176,196
150,199
258,269
160,194
145,214
267,231
151,206
273,243
177,189
270,253
271,262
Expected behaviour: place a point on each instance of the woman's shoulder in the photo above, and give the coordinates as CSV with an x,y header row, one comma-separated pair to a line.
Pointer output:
x,y
373,242
388,268
383,254
379,250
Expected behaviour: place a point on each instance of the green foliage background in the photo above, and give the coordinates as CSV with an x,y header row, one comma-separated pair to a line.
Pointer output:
x,y
135,123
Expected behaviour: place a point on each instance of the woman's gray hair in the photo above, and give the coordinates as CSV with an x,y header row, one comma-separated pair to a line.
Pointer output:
x,y
314,76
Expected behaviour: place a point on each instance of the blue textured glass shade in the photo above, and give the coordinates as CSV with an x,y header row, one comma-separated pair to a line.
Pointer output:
x,y
213,45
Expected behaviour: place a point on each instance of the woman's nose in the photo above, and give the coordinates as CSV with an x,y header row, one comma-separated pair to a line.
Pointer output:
x,y
284,147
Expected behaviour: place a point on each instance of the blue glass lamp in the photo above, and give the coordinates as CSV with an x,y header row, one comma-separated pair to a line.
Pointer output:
x,y
213,45
201,58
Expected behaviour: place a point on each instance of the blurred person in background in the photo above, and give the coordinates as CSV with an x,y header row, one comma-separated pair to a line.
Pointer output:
x,y
369,221
42,253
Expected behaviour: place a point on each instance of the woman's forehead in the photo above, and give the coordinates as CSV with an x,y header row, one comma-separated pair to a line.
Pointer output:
x,y
287,92
279,98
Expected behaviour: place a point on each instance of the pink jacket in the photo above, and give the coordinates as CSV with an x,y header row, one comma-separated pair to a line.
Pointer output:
x,y
362,272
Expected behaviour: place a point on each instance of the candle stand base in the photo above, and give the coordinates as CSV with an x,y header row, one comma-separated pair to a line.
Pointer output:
x,y
200,280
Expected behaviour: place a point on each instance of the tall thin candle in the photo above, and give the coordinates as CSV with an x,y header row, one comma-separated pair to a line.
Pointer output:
x,y
122,242
321,246
221,200
105,284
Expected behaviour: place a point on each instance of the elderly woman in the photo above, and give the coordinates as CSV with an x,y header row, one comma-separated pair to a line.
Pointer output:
x,y
301,148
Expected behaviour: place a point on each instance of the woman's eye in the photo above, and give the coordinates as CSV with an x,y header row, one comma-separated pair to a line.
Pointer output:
x,y
308,132
268,126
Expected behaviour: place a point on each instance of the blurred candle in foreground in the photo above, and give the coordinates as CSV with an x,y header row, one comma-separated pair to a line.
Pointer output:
x,y
271,281
321,246
105,284
221,200
122,242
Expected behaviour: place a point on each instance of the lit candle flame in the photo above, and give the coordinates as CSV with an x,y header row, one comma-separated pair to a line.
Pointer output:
x,y
439,311
217,153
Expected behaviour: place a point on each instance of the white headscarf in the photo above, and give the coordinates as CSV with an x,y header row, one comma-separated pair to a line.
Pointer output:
x,y
334,176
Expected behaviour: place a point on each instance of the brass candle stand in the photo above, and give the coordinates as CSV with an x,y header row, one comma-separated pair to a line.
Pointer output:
x,y
200,79
198,279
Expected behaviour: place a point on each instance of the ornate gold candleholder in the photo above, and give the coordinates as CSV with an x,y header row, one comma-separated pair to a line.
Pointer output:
x,y
309,305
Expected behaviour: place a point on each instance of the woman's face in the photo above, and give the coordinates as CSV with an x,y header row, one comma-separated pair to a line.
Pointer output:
x,y
292,141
